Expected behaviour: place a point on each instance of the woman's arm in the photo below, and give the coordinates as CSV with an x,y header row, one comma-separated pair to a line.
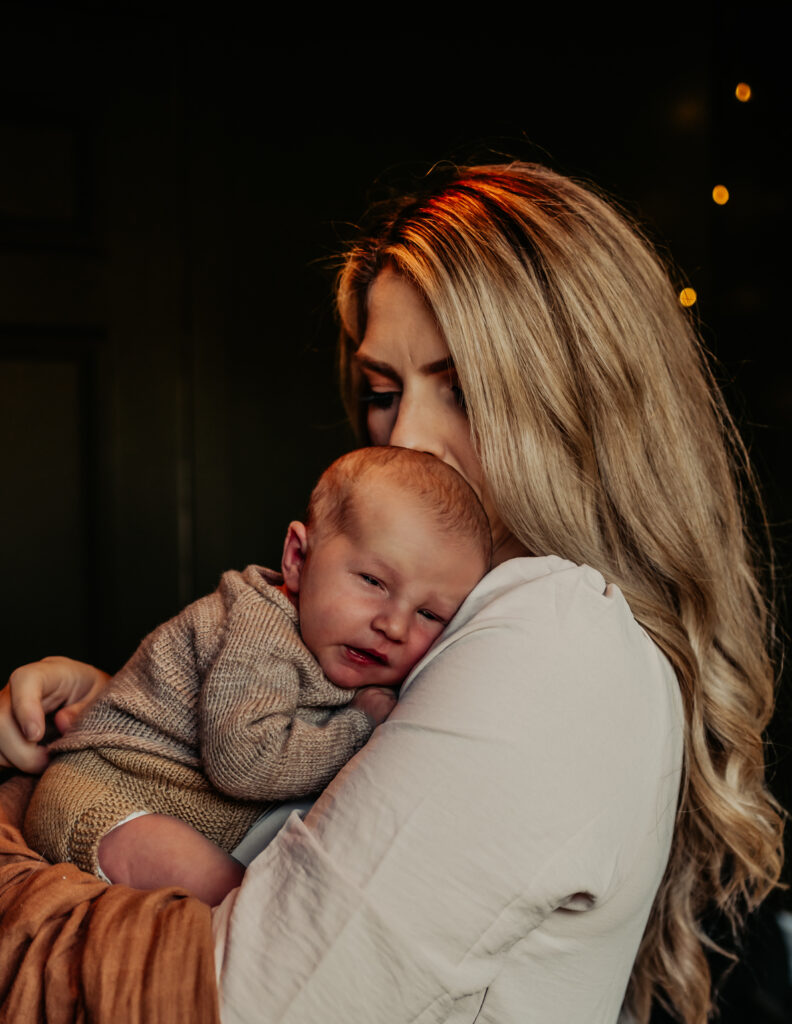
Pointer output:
x,y
32,692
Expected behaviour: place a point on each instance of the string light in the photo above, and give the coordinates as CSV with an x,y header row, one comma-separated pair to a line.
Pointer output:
x,y
720,194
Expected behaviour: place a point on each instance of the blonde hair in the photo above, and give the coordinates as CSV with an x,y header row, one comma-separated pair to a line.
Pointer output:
x,y
439,489
604,439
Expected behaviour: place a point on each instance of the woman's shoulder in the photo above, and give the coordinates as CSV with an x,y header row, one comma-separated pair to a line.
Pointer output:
x,y
549,621
546,585
542,604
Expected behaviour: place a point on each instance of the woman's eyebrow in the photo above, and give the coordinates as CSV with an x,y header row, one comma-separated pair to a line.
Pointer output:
x,y
444,365
375,366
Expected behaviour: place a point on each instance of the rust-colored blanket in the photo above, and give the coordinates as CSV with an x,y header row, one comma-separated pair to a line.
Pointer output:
x,y
75,949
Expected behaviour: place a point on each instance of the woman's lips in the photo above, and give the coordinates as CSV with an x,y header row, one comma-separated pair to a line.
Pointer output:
x,y
365,656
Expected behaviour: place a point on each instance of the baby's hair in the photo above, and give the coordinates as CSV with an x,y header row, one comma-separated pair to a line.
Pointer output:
x,y
437,486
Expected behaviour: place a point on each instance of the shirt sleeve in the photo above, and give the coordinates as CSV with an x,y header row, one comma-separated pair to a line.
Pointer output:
x,y
505,785
254,745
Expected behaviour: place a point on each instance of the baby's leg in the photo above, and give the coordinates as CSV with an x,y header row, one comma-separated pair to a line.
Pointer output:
x,y
155,850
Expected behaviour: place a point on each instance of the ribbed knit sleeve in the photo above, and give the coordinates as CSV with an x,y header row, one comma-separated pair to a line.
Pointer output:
x,y
151,704
272,726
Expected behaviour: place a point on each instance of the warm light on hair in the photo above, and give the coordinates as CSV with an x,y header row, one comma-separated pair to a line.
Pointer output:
x,y
604,439
743,92
720,194
688,296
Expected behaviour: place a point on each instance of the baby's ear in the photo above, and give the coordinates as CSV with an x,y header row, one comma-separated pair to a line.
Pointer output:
x,y
293,562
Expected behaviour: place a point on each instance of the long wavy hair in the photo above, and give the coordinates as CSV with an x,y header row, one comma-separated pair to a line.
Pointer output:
x,y
605,440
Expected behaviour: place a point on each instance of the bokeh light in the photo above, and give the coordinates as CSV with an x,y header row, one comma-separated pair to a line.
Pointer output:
x,y
687,296
743,92
720,194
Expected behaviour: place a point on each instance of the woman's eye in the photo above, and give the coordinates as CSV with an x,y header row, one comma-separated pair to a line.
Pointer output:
x,y
459,395
379,399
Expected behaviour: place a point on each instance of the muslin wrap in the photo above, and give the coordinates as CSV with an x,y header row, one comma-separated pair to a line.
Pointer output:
x,y
75,949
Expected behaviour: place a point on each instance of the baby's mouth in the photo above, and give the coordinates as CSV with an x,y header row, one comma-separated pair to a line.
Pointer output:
x,y
366,656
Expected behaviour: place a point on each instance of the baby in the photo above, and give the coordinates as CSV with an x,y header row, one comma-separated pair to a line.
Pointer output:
x,y
263,690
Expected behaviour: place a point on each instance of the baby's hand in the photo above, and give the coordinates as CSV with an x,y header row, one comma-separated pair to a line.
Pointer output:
x,y
376,701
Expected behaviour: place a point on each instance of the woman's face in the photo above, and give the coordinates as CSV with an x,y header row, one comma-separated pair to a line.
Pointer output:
x,y
413,396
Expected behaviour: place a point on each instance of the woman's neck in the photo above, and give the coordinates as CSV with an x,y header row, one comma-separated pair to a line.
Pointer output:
x,y
507,547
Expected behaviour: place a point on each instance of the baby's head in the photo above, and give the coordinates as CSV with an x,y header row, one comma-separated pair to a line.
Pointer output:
x,y
395,541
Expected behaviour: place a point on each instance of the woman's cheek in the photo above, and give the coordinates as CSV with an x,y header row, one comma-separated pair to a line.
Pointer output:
x,y
380,426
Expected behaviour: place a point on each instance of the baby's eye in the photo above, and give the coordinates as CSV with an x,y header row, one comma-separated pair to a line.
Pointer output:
x,y
371,580
426,614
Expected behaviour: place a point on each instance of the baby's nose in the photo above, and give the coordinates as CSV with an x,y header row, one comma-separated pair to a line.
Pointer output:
x,y
392,623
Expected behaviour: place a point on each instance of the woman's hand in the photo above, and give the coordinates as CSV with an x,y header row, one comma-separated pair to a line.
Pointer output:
x,y
33,691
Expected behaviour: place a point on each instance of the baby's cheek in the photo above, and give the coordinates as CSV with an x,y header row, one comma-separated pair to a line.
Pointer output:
x,y
423,646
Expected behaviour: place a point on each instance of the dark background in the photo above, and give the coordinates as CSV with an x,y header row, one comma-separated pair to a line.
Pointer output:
x,y
171,198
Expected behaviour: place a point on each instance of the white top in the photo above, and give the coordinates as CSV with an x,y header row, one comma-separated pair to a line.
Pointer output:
x,y
492,854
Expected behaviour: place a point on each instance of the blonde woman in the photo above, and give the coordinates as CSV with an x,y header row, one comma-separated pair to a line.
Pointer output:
x,y
575,773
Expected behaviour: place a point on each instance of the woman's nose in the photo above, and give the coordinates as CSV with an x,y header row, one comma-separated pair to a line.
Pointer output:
x,y
415,427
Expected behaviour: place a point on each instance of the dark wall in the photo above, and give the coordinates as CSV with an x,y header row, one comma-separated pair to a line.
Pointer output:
x,y
169,198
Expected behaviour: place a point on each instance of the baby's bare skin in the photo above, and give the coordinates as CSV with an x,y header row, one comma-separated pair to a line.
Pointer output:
x,y
156,850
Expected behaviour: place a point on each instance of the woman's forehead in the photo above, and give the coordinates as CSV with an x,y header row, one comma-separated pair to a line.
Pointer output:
x,y
399,324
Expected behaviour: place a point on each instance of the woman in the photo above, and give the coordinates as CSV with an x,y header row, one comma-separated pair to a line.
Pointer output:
x,y
575,774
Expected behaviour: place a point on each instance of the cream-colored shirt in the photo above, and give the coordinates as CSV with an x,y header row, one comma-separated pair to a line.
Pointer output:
x,y
493,853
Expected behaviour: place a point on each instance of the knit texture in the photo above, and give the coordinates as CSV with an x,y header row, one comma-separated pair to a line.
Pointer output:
x,y
219,712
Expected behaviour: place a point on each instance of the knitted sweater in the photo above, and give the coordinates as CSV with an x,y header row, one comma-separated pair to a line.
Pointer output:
x,y
219,711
